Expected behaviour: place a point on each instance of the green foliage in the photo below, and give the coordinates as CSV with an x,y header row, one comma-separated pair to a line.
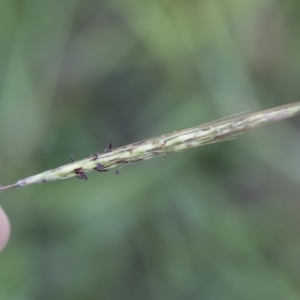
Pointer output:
x,y
217,222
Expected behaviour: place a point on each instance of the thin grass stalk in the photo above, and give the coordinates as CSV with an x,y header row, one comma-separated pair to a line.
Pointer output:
x,y
162,145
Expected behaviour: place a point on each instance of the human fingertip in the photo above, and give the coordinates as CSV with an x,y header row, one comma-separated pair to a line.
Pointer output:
x,y
4,229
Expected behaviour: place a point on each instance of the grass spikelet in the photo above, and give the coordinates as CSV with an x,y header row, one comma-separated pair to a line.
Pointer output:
x,y
162,145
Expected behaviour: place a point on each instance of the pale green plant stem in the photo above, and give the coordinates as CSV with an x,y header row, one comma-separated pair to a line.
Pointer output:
x,y
162,145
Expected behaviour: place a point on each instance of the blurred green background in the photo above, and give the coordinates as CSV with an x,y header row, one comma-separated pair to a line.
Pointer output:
x,y
216,222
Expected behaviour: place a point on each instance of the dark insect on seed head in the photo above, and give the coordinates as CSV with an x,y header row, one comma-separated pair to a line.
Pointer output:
x,y
81,176
109,148
100,168
94,156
